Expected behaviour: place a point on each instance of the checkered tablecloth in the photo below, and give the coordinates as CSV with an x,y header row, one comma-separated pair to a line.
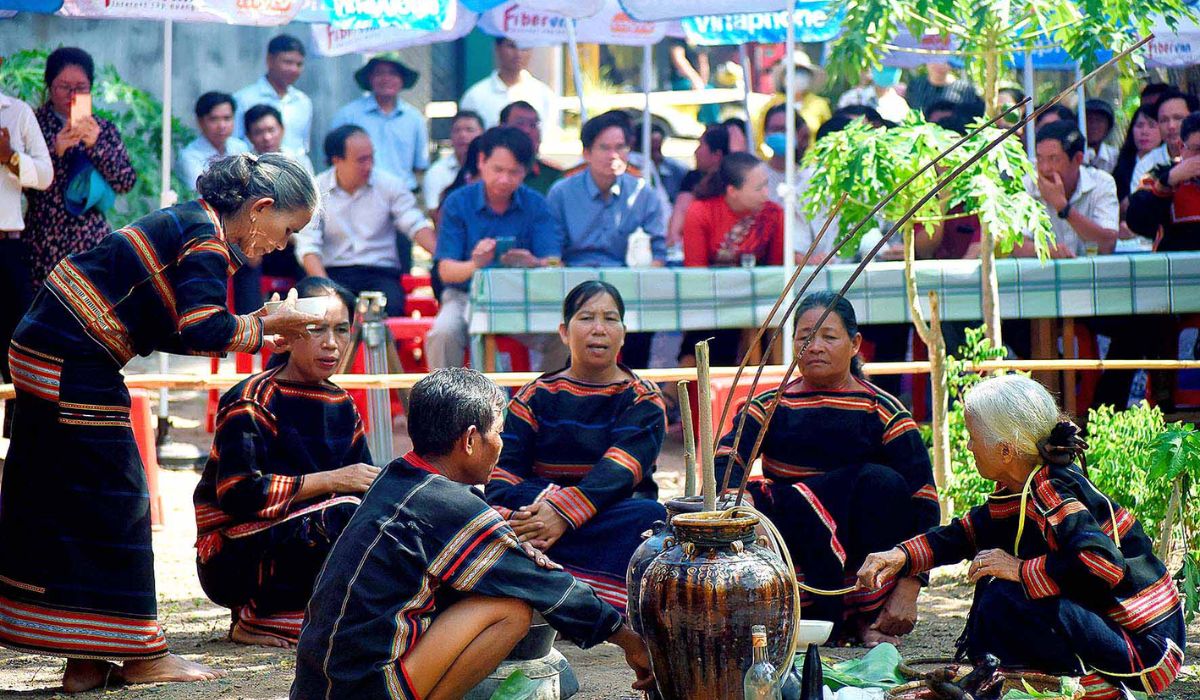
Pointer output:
x,y
511,301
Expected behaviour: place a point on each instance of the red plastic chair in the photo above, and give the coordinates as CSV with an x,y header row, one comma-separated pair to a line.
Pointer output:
x,y
518,354
412,283
409,334
421,307
721,389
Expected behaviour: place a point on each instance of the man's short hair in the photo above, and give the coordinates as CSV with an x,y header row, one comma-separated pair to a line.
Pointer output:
x,y
597,125
211,100
1062,111
941,106
716,137
259,112
466,114
506,40
446,403
519,104
1190,125
1066,133
1153,91
1174,93
335,141
283,43
510,138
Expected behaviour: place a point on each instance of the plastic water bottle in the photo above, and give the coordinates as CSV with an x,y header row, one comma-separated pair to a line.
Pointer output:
x,y
759,683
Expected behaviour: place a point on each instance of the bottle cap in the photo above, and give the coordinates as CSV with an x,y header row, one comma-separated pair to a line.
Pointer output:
x,y
758,635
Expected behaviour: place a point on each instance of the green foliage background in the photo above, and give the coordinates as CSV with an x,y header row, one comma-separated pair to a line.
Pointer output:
x,y
136,114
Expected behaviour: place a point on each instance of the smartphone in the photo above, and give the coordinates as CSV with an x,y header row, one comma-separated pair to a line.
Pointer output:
x,y
503,245
81,107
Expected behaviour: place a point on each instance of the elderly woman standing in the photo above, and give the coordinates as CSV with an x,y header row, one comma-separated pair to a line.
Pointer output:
x,y
76,563
57,228
844,474
1066,579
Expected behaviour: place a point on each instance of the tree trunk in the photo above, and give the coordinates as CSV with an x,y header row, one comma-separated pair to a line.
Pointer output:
x,y
991,286
931,334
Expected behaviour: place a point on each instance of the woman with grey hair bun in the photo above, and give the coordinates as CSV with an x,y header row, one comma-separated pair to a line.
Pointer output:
x,y
1066,580
76,564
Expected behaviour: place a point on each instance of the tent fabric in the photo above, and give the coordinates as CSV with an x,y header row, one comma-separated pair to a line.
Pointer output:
x,y
9,7
656,10
528,26
331,41
429,16
222,11
816,21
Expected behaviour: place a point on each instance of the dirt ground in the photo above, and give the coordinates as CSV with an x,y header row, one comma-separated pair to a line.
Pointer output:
x,y
196,628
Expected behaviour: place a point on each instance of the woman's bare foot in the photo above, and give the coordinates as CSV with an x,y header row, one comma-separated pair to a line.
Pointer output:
x,y
872,637
86,674
242,636
168,669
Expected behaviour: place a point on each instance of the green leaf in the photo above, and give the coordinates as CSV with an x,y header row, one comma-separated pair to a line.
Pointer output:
x,y
517,686
1066,690
879,668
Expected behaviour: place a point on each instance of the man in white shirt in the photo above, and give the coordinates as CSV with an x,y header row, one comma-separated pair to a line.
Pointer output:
x,y
1173,107
509,83
1100,122
24,164
214,117
285,63
465,128
1081,201
352,240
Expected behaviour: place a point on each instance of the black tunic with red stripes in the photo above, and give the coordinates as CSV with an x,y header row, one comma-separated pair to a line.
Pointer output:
x,y
76,564
1092,597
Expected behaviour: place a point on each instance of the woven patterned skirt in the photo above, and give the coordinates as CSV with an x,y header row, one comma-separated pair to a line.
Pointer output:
x,y
76,564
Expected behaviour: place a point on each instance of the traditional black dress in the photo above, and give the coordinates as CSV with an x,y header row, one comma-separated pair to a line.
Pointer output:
x,y
258,549
76,566
589,451
845,474
417,544
1091,601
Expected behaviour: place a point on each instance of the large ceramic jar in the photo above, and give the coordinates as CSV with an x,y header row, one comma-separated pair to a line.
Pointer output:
x,y
652,546
701,597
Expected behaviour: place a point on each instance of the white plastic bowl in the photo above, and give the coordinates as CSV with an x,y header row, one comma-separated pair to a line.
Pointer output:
x,y
313,306
814,632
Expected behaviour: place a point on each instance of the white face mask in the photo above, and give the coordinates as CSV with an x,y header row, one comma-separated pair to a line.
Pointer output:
x,y
802,82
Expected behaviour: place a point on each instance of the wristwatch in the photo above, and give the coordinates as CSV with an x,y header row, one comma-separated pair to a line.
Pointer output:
x,y
1065,211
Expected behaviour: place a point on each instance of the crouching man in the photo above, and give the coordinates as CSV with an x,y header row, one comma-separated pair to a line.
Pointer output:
x,y
428,588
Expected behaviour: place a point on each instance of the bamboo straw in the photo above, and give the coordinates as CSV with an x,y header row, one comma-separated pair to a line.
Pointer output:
x,y
706,426
689,440
741,423
899,224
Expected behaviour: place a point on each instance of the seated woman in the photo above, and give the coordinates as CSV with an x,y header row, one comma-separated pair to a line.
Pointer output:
x,y
732,223
844,474
580,445
1066,581
288,452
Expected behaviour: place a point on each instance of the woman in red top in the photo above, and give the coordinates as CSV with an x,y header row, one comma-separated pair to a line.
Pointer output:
x,y
731,218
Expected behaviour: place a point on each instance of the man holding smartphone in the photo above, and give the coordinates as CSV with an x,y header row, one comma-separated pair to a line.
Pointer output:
x,y
24,164
495,220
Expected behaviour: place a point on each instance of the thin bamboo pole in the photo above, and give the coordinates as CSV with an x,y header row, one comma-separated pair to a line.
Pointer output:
x,y
689,441
704,394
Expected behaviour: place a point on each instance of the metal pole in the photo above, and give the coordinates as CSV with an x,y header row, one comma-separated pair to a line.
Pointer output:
x,y
164,195
1030,88
371,306
744,55
1081,98
647,78
789,174
576,72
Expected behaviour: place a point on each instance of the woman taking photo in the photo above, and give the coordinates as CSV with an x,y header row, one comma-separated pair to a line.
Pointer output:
x,y
575,477
76,564
1066,581
57,228
844,474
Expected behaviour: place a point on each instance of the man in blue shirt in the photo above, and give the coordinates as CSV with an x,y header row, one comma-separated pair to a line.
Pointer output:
x,y
285,63
397,129
494,217
598,209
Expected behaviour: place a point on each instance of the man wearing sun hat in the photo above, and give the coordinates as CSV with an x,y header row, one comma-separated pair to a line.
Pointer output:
x,y
397,129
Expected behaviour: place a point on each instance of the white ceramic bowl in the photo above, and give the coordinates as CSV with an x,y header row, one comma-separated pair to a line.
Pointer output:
x,y
814,632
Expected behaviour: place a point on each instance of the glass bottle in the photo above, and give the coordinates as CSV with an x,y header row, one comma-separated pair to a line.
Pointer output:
x,y
759,683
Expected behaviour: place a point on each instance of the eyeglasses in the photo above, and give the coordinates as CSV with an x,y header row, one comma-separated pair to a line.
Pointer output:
x,y
609,150
68,89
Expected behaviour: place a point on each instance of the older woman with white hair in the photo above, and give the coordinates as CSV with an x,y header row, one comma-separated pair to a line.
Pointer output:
x,y
1066,579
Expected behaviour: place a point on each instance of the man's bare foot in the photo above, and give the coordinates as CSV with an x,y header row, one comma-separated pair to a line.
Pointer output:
x,y
86,674
871,637
168,669
240,635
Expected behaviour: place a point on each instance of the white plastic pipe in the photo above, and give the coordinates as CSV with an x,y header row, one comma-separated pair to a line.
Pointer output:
x,y
1030,88
647,79
1081,96
164,196
744,55
789,173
